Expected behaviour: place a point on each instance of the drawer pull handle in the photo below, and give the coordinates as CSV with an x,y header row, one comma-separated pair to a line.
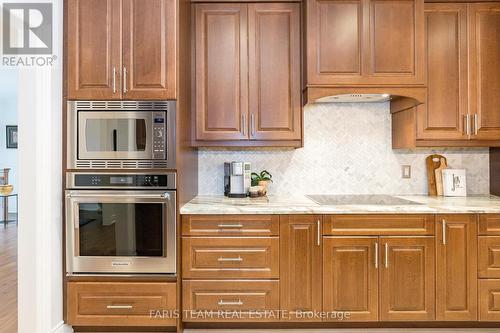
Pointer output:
x,y
222,302
443,226
222,259
121,307
230,226
386,255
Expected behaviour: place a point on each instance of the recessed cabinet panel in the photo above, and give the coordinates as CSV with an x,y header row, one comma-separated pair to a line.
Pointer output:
x,y
456,263
489,257
274,71
484,50
94,49
350,277
393,37
149,49
300,264
446,34
221,71
335,37
489,300
407,279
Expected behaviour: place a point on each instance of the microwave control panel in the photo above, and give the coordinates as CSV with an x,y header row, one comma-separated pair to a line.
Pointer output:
x,y
159,135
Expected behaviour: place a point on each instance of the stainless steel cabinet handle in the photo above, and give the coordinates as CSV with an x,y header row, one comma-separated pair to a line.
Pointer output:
x,y
114,307
125,80
252,125
118,195
222,302
243,124
230,226
443,227
376,255
467,124
114,80
222,259
386,255
318,235
476,123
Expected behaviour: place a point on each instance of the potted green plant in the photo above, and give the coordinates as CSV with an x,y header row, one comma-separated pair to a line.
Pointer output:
x,y
262,179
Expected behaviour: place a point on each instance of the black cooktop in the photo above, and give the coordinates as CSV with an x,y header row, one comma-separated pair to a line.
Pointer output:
x,y
356,199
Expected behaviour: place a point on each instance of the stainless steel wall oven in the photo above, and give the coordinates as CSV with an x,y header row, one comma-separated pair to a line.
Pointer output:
x,y
121,223
121,134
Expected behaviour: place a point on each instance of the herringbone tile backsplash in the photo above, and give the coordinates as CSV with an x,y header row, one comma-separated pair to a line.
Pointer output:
x,y
347,150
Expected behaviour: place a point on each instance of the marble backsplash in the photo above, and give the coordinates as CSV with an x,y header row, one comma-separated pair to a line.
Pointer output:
x,y
347,150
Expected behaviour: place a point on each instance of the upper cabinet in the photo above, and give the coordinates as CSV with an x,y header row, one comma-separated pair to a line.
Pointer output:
x,y
484,62
247,74
365,42
463,66
121,49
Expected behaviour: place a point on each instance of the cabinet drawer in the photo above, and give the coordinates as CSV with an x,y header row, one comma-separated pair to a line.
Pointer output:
x,y
120,303
489,224
489,300
396,224
203,299
230,257
230,225
489,257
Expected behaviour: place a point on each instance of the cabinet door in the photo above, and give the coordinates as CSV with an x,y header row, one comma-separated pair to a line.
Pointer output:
x,y
484,50
443,118
407,279
274,71
456,262
350,277
221,71
149,33
396,54
94,49
300,264
335,38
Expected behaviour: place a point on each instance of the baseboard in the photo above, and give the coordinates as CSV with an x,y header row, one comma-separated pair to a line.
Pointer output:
x,y
62,328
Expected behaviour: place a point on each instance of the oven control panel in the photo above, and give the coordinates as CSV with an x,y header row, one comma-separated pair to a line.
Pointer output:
x,y
159,135
118,180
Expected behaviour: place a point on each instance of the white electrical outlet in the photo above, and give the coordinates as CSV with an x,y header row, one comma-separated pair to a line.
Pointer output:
x,y
406,171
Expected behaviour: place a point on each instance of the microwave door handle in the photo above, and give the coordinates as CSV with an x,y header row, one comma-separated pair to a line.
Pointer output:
x,y
114,140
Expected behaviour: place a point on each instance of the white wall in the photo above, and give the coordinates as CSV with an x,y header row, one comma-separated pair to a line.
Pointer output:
x,y
347,150
40,273
8,116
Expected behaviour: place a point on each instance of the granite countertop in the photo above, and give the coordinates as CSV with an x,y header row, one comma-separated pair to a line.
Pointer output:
x,y
300,204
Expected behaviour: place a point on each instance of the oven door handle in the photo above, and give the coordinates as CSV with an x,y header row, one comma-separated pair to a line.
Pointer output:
x,y
164,195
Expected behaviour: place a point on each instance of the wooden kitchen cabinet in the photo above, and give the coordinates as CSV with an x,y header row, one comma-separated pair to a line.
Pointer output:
x,y
456,267
484,65
300,264
94,49
365,42
120,303
407,279
444,116
463,66
221,59
149,39
350,276
247,88
121,49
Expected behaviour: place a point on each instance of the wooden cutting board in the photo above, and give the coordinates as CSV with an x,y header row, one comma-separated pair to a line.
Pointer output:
x,y
435,163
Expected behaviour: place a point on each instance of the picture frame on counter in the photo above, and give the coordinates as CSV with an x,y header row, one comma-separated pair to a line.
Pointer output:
x,y
11,136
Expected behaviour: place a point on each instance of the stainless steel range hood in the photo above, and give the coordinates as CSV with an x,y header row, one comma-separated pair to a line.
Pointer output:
x,y
400,98
355,98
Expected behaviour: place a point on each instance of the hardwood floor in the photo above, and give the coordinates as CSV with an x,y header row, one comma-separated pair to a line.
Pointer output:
x,y
8,278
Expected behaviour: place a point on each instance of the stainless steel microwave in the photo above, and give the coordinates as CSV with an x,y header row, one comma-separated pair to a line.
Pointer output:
x,y
121,134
